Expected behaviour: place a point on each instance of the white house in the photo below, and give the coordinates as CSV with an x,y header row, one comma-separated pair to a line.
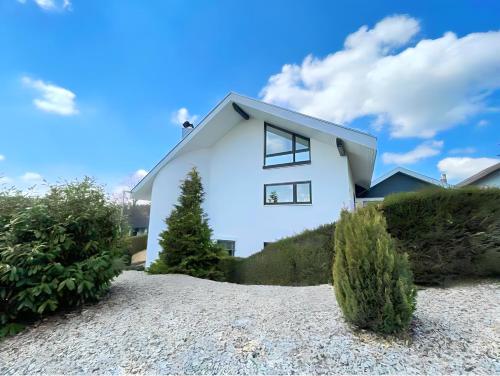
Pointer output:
x,y
268,172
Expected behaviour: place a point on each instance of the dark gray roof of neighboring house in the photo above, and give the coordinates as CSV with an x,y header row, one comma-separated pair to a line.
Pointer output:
x,y
398,180
481,174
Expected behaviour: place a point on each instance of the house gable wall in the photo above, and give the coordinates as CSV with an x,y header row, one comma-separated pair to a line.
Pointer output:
x,y
234,179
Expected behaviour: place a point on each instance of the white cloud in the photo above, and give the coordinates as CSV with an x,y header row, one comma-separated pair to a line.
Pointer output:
x,y
2,157
466,150
417,89
182,115
51,5
54,98
126,185
139,174
32,177
459,168
6,180
483,123
422,151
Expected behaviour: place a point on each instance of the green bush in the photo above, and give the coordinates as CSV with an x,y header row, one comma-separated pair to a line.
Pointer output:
x,y
448,233
186,244
373,282
57,252
158,267
300,260
137,243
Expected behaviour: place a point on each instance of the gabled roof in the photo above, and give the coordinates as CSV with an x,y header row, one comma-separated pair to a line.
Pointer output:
x,y
361,147
384,185
405,171
481,174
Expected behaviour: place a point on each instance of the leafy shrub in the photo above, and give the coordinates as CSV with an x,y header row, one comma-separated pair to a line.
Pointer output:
x,y
300,260
158,267
448,233
186,244
373,282
58,251
136,244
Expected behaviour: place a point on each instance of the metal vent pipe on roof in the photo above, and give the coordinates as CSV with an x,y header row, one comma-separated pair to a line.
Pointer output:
x,y
187,127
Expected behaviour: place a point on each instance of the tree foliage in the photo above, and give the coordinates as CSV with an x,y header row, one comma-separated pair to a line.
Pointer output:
x,y
187,247
56,252
373,283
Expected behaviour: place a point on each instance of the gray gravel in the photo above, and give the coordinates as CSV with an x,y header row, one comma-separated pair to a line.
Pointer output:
x,y
178,324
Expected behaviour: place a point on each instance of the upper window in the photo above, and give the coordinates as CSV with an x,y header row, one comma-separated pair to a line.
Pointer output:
x,y
283,148
288,193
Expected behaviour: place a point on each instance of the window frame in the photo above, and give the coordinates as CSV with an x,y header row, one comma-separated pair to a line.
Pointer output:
x,y
293,152
231,252
294,202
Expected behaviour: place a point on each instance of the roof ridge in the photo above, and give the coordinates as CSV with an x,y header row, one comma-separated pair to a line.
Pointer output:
x,y
305,115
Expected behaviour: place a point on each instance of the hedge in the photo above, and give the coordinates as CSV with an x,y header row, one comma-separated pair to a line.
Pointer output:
x,y
447,233
137,244
301,260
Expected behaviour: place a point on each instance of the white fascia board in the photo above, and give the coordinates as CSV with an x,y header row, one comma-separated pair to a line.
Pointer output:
x,y
171,154
481,174
405,171
348,134
342,132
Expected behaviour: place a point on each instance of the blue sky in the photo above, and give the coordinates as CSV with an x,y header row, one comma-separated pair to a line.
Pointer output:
x,y
95,87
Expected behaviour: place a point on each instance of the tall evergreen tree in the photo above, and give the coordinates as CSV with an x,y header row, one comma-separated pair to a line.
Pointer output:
x,y
186,244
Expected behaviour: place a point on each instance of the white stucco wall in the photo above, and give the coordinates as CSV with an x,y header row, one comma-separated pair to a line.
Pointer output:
x,y
234,180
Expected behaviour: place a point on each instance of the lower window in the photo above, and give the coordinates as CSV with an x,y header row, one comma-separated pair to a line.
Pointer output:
x,y
288,193
228,245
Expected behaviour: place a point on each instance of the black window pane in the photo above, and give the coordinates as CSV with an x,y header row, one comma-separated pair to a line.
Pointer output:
x,y
278,194
278,141
303,192
301,143
228,245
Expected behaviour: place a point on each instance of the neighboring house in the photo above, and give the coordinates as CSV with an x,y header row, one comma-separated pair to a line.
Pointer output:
x,y
138,218
489,177
398,180
267,172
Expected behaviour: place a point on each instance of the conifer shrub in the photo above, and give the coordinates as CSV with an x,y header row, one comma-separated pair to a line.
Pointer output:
x,y
448,233
373,282
57,252
187,247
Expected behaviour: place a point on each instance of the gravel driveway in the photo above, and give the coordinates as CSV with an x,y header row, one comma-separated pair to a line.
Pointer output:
x,y
179,324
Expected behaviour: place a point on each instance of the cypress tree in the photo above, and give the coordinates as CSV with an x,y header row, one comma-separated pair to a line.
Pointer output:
x,y
373,282
186,244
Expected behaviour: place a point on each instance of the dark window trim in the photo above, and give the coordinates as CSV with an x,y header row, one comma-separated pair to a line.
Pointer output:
x,y
231,252
293,152
294,202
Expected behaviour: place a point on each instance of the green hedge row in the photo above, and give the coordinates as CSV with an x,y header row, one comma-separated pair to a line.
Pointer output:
x,y
301,260
447,233
137,243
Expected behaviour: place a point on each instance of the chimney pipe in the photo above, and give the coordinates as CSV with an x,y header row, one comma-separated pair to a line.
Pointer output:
x,y
443,179
187,127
